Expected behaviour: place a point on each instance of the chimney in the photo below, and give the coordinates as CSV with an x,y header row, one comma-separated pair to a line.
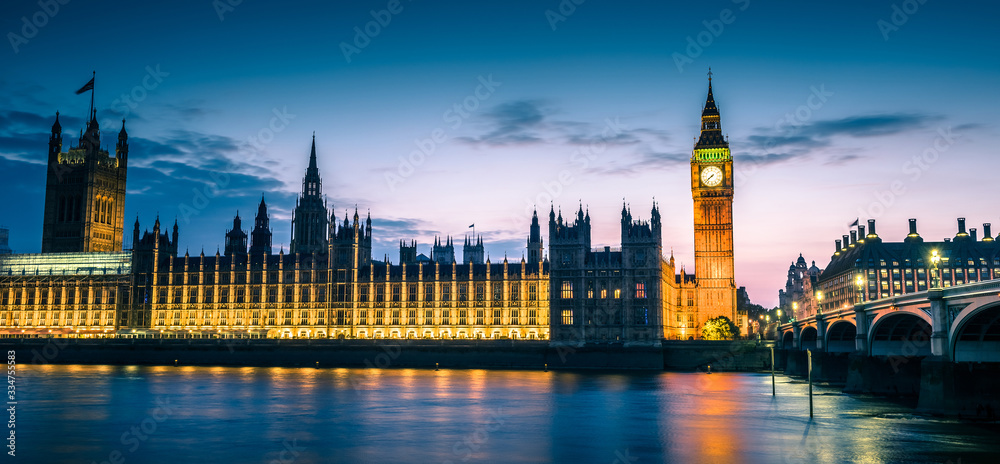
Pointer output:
x,y
871,227
846,241
961,226
838,245
987,233
854,237
913,227
861,233
972,233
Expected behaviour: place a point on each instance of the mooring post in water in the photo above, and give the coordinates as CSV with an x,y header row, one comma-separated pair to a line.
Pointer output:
x,y
809,353
772,371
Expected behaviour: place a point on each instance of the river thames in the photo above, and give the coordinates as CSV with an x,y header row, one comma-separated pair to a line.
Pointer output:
x,y
75,413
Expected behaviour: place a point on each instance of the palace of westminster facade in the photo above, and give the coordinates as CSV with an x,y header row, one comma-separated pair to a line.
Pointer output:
x,y
328,285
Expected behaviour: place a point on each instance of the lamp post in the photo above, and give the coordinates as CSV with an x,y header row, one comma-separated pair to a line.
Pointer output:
x,y
936,278
819,301
859,281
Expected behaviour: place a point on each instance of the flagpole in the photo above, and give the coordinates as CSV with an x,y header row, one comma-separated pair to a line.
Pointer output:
x,y
94,80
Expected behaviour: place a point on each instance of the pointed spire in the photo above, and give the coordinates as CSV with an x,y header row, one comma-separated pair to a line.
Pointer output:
x,y
123,134
710,108
56,127
711,126
312,154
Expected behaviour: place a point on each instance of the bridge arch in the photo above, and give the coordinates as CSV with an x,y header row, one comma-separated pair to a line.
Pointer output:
x,y
900,333
975,334
807,338
840,337
788,340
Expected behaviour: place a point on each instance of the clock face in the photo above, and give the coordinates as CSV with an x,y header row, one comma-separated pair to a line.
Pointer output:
x,y
711,176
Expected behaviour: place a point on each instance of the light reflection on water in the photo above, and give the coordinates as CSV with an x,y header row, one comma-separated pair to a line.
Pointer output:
x,y
247,414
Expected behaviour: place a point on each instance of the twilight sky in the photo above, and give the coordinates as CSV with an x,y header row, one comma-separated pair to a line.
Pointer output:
x,y
453,113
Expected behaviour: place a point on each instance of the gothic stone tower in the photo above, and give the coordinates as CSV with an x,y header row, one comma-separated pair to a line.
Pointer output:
x,y
260,237
84,193
309,220
712,190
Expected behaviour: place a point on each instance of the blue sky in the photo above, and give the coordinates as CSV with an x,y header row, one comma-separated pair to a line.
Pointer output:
x,y
826,106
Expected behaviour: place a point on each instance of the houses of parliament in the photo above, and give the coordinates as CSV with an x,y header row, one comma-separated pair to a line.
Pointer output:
x,y
328,286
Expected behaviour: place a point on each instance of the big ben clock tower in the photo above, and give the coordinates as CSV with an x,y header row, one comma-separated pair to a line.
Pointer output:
x,y
712,190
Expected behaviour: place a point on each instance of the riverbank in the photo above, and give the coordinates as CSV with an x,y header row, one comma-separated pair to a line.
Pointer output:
x,y
740,356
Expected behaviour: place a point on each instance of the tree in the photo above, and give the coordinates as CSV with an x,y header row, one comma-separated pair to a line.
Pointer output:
x,y
719,328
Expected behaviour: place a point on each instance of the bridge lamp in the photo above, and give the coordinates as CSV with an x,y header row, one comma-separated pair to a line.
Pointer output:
x,y
859,281
779,315
935,260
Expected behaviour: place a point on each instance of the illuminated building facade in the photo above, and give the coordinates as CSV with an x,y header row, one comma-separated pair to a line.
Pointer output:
x,y
77,294
865,268
337,293
329,286
84,192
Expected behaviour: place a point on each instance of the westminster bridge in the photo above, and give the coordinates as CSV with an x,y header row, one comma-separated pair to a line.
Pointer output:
x,y
941,345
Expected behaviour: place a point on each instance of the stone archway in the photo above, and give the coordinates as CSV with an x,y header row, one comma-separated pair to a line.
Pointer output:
x,y
807,338
840,337
901,334
978,336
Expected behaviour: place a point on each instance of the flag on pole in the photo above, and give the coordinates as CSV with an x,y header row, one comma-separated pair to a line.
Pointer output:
x,y
86,87
855,223
473,225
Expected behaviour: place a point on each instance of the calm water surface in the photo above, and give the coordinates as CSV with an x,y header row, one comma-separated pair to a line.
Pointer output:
x,y
279,415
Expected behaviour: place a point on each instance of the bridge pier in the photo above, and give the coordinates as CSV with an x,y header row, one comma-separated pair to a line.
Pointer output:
x,y
883,375
796,331
939,324
821,326
861,325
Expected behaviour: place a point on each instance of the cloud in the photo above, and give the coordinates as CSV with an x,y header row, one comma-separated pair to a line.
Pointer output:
x,y
868,125
785,143
512,123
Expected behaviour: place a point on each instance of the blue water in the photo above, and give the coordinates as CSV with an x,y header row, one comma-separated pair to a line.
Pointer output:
x,y
280,415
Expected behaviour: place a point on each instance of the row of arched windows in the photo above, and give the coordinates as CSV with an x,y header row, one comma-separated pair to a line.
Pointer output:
x,y
103,212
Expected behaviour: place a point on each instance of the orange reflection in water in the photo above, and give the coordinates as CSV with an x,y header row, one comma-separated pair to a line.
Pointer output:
x,y
713,401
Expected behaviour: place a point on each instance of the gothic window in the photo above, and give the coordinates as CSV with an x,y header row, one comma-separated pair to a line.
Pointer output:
x,y
567,289
640,290
567,317
480,291
532,292
304,295
428,292
463,292
641,316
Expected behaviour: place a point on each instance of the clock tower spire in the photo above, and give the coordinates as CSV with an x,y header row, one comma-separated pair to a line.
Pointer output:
x,y
712,192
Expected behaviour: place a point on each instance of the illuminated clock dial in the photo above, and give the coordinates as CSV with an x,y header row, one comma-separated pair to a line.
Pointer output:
x,y
711,176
